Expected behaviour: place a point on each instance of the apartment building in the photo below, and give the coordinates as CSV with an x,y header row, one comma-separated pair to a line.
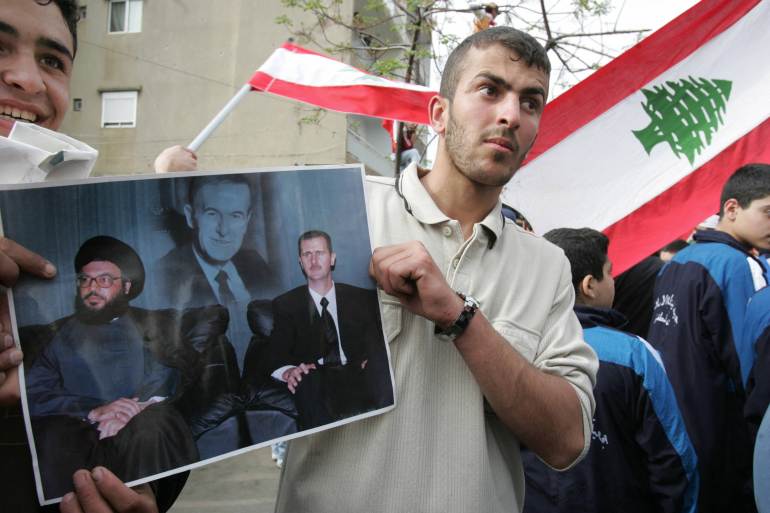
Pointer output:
x,y
152,73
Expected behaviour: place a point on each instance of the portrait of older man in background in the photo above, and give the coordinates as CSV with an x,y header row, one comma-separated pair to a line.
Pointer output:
x,y
214,267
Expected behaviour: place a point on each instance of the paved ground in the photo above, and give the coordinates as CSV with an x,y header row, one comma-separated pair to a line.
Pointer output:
x,y
244,484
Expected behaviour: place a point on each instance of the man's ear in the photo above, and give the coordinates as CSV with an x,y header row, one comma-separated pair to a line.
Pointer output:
x,y
587,287
333,260
126,287
188,215
730,209
438,108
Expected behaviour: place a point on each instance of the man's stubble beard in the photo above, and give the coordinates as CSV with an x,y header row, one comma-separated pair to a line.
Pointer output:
x,y
459,150
115,308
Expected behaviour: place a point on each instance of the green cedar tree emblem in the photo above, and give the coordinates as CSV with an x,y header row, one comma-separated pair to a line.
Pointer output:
x,y
684,114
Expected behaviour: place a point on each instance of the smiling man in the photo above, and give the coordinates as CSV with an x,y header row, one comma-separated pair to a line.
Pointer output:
x,y
486,350
215,268
37,48
38,42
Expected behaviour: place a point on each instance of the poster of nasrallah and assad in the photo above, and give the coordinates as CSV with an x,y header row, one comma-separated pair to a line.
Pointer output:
x,y
193,317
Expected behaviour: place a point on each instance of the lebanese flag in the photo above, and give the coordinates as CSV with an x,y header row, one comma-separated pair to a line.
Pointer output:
x,y
307,76
641,149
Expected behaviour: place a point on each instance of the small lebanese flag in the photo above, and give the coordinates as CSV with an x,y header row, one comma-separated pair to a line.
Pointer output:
x,y
307,76
642,148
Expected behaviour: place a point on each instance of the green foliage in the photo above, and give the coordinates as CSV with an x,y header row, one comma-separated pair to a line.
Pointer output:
x,y
592,7
283,20
387,67
684,114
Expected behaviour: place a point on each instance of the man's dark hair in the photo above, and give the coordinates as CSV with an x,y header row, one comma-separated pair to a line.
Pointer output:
x,y
69,11
314,234
103,248
586,250
525,46
748,183
197,183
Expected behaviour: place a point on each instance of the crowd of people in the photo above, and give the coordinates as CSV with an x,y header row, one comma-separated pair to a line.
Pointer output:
x,y
676,417
508,360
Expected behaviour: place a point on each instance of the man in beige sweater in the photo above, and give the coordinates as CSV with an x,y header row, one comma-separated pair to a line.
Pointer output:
x,y
486,351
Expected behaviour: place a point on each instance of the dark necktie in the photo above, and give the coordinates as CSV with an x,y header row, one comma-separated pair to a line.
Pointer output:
x,y
226,296
329,333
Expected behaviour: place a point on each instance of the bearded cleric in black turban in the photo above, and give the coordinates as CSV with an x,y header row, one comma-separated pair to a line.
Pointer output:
x,y
109,249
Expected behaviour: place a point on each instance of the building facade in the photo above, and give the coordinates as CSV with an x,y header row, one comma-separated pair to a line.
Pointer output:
x,y
152,73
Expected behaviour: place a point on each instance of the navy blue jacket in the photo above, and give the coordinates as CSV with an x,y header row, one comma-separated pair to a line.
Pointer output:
x,y
756,333
640,458
697,326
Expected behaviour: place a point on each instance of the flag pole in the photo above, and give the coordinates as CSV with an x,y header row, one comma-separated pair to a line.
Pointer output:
x,y
219,118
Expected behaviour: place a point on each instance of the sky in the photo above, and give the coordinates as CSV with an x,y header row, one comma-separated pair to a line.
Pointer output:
x,y
624,15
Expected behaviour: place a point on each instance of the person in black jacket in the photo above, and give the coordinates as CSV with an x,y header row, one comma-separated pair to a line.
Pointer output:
x,y
640,458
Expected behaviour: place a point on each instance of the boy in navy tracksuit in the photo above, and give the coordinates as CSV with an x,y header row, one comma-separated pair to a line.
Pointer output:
x,y
697,326
640,458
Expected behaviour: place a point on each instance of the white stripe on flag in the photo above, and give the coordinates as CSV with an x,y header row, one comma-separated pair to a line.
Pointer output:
x,y
601,172
317,71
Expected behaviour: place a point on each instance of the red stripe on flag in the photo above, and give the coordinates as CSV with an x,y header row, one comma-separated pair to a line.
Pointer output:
x,y
381,102
636,67
687,203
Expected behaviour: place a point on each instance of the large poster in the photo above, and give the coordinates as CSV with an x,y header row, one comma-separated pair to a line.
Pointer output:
x,y
193,317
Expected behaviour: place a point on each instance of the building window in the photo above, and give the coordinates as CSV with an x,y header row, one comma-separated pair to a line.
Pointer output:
x,y
119,109
125,16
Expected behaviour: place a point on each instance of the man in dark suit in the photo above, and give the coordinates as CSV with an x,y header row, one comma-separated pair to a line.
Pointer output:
x,y
214,268
327,343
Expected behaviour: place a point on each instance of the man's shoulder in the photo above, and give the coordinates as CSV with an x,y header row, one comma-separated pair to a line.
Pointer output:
x,y
710,261
624,349
176,256
711,255
290,297
353,289
514,238
249,259
383,182
138,314
354,292
378,187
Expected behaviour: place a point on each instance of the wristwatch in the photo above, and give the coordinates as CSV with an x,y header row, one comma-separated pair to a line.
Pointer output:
x,y
458,327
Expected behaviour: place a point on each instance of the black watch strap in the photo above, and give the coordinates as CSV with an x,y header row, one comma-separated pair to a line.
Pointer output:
x,y
461,323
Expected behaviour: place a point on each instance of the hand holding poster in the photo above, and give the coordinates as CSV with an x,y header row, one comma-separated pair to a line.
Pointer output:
x,y
193,318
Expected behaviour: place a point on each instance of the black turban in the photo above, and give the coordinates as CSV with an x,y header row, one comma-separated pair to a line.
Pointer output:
x,y
110,249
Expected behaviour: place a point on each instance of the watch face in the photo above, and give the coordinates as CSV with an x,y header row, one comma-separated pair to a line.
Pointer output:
x,y
458,327
471,303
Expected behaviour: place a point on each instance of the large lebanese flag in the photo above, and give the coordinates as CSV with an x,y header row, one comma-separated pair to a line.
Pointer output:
x,y
310,77
641,148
